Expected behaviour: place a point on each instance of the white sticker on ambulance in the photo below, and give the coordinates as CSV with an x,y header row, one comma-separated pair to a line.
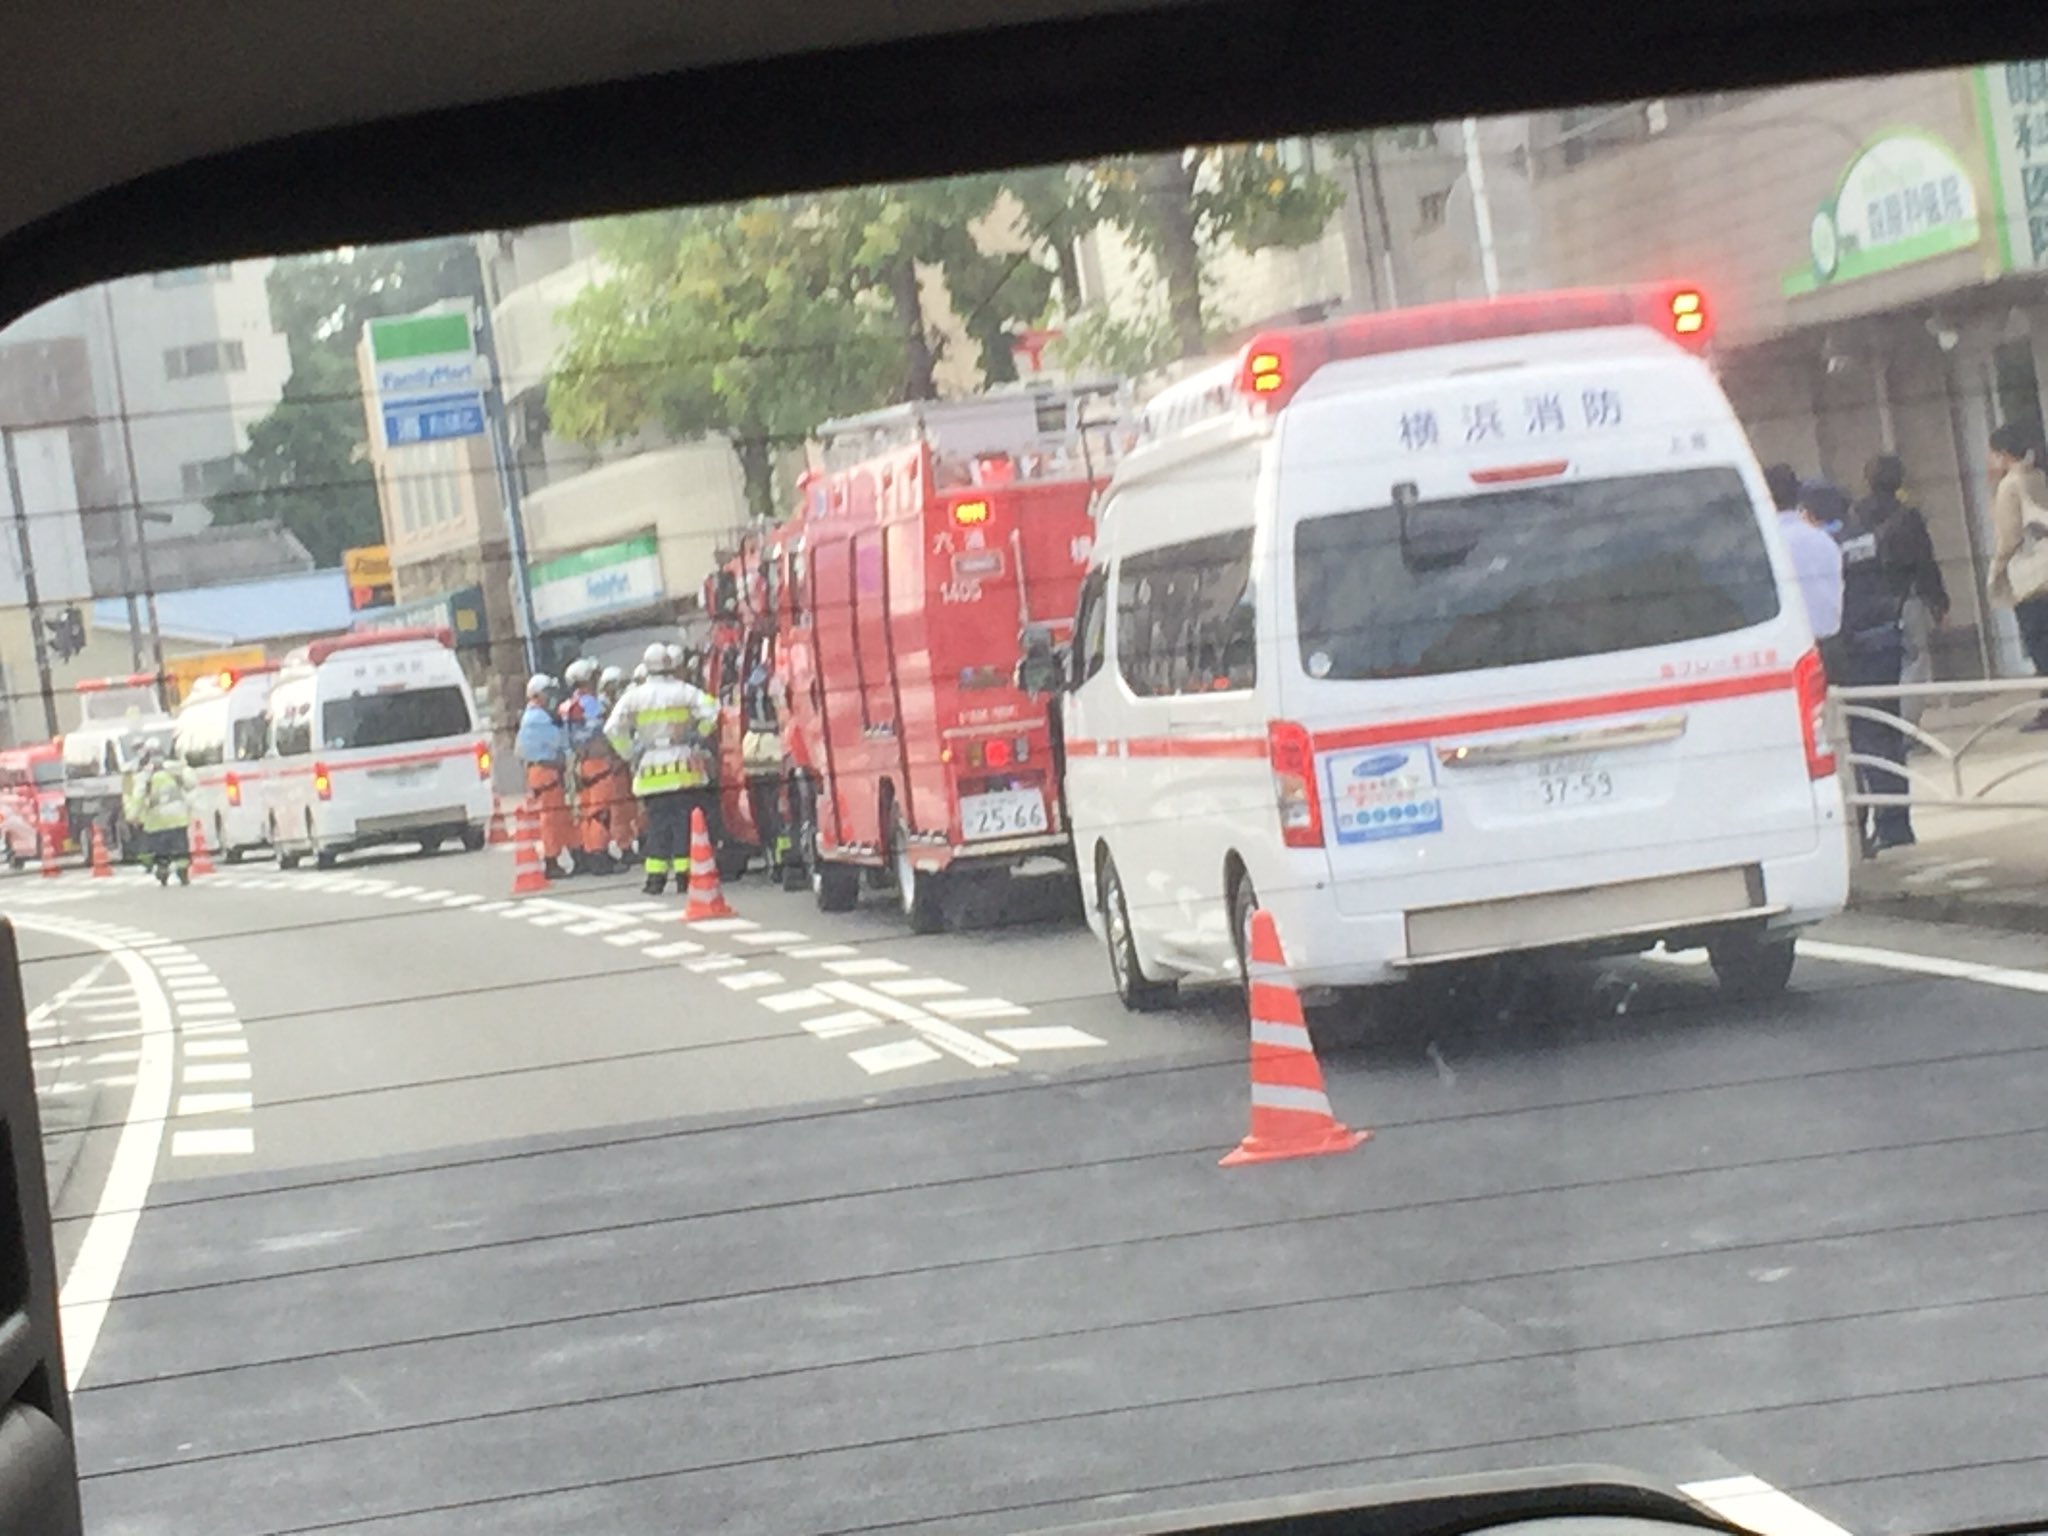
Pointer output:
x,y
1383,792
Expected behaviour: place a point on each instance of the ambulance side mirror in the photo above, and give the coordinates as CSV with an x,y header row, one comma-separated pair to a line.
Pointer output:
x,y
1042,669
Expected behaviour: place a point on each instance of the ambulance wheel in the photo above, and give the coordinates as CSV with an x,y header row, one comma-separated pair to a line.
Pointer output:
x,y
326,858
430,845
1244,906
1752,966
920,892
473,838
286,859
1134,989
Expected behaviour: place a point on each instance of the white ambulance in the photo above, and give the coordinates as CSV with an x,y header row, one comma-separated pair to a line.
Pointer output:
x,y
1447,634
374,739
223,736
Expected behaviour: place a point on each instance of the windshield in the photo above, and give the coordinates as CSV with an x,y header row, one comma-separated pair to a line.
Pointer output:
x,y
1499,580
49,772
388,719
116,703
924,1087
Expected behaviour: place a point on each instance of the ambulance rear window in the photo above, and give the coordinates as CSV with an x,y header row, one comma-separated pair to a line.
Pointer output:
x,y
1534,573
387,719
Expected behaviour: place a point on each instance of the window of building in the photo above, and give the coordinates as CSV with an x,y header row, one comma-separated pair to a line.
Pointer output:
x,y
202,358
1185,617
207,477
1433,206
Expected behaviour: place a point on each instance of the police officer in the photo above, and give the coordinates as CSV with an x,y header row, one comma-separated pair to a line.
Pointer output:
x,y
1868,652
663,727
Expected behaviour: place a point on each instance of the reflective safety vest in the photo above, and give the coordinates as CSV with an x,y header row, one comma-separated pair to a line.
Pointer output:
x,y
161,798
662,727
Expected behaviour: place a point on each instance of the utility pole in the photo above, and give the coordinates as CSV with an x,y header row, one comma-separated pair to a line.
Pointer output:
x,y
28,580
156,639
121,522
1482,210
1379,203
501,453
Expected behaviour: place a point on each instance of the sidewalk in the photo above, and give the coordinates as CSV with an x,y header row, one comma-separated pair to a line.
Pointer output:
x,y
1987,868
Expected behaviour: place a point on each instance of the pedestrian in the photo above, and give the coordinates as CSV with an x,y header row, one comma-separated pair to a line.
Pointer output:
x,y
2019,522
543,746
1869,652
1906,551
162,806
583,717
1816,557
663,727
622,810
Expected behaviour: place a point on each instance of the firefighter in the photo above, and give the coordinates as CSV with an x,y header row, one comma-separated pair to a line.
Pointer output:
x,y
161,802
582,715
543,746
622,811
663,727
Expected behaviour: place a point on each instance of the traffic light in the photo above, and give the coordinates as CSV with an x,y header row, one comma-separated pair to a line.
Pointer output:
x,y
67,632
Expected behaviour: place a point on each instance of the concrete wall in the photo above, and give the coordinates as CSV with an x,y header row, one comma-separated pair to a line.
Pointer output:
x,y
692,495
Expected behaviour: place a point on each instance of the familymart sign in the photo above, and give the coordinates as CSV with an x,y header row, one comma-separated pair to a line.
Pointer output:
x,y
428,382
594,583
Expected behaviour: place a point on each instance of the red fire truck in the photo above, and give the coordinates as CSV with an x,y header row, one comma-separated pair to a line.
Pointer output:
x,y
930,536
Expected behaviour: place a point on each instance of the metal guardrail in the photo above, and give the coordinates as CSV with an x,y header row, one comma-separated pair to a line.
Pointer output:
x,y
1976,772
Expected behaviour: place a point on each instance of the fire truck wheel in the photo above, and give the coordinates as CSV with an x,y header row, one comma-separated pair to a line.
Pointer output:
x,y
793,877
732,859
922,892
836,886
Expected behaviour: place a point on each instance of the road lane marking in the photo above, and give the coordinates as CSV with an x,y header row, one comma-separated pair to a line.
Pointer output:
x,y
970,1048
823,952
217,1072
635,908
224,1027
95,1274
632,936
189,992
772,936
790,1002
875,965
920,986
978,1008
113,1059
399,892
1926,965
751,981
215,1104
725,925
714,963
205,1010
464,899
493,906
214,1047
1752,1502
833,1025
217,1143
674,950
1046,1037
431,896
893,1057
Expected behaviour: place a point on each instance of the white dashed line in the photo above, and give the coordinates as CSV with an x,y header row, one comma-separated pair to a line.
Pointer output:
x,y
674,950
224,1027
1046,1037
874,965
205,1010
224,1143
466,899
791,1002
823,952
1752,1502
113,1058
751,981
633,936
634,908
893,1057
833,1025
714,963
216,1047
493,906
772,936
920,986
978,1008
217,1072
725,925
215,1103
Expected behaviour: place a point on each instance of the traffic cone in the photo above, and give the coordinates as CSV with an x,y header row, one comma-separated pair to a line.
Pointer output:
x,y
1290,1109
707,896
200,862
527,876
48,840
101,868
500,834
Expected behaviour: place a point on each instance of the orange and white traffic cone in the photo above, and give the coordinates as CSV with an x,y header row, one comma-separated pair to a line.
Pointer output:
x,y
1290,1110
707,896
527,875
48,839
201,861
102,869
500,834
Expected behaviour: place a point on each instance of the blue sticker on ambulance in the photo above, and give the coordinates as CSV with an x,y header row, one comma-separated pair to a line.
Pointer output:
x,y
1383,792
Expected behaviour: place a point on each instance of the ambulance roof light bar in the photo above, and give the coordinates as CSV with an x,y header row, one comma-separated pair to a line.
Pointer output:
x,y
1275,364
319,650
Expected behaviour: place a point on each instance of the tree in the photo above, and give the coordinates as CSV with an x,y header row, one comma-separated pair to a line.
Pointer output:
x,y
748,320
307,463
1179,207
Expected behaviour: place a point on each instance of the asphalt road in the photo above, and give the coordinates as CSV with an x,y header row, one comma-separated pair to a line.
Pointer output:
x,y
466,1215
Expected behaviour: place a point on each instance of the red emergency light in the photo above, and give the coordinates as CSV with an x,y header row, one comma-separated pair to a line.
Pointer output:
x,y
483,761
1275,364
320,650
234,789
323,782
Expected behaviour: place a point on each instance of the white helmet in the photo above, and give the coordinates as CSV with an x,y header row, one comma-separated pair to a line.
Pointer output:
x,y
658,658
580,671
675,656
640,673
611,677
538,684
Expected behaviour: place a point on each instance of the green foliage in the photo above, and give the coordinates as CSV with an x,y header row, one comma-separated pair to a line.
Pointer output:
x,y
307,465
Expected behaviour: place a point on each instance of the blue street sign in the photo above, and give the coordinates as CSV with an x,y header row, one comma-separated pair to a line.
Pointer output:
x,y
434,419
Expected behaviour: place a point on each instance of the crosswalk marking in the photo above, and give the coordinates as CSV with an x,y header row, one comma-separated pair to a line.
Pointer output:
x,y
633,936
714,963
791,1002
972,1049
751,981
977,1008
874,965
211,1048
222,1143
823,952
1046,1037
920,986
893,1057
215,1103
674,950
833,1025
725,925
771,936
217,1072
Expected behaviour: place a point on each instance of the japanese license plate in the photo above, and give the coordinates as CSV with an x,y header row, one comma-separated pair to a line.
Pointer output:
x,y
1560,784
1002,813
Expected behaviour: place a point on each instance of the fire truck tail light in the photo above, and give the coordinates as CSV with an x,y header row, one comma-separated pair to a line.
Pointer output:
x,y
997,754
1811,681
323,783
1293,762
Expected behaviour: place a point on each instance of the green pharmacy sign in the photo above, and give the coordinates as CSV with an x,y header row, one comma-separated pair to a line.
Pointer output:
x,y
1904,198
